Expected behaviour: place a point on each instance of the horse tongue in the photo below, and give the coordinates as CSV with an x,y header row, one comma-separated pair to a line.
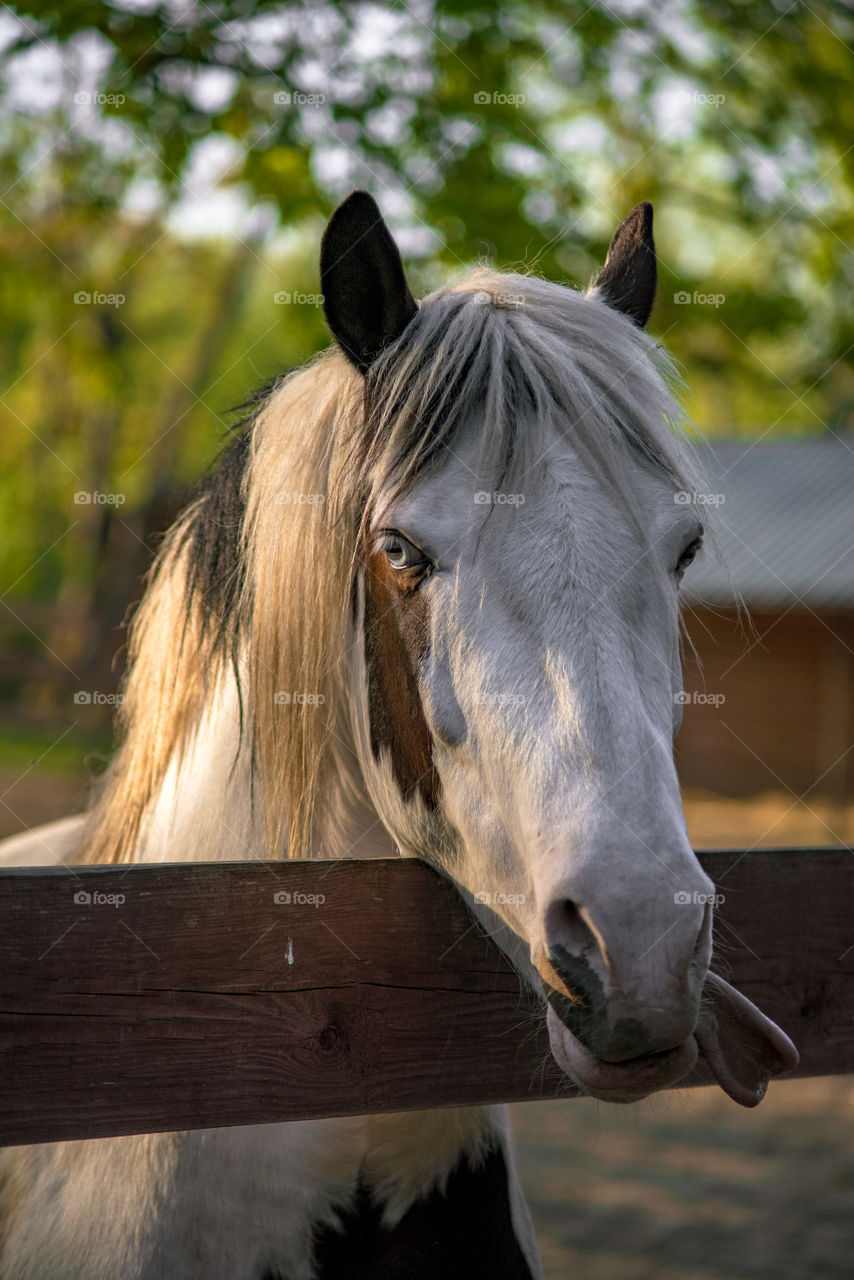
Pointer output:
x,y
743,1048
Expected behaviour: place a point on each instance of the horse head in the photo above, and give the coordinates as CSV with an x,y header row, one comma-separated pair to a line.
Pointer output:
x,y
526,519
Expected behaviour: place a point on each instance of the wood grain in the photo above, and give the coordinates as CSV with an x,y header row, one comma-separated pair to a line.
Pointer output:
x,y
198,1000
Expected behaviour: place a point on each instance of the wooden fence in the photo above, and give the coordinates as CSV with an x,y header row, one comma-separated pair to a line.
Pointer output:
x,y
145,998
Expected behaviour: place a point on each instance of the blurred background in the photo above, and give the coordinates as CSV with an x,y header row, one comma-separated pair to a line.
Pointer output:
x,y
166,170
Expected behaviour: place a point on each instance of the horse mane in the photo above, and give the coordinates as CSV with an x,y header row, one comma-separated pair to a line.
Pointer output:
x,y
256,579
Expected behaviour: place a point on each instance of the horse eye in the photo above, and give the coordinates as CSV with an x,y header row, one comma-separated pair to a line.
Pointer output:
x,y
400,552
688,555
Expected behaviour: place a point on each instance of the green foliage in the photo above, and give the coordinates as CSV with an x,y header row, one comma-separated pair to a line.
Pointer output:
x,y
734,118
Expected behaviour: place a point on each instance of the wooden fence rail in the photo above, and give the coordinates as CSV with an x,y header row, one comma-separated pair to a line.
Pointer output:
x,y
136,999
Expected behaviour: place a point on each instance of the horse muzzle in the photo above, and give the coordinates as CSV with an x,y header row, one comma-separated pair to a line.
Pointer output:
x,y
625,1061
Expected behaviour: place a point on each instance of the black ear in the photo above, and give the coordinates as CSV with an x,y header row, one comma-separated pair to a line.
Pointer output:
x,y
627,280
365,295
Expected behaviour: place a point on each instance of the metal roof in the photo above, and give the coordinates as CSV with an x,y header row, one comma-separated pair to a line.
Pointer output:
x,y
785,526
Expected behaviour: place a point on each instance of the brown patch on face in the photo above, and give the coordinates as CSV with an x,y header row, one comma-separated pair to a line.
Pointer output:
x,y
396,638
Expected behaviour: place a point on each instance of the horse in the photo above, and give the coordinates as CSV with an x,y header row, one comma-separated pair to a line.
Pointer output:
x,y
426,605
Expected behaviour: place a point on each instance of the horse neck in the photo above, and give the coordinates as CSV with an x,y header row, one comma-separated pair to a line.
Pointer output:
x,y
208,806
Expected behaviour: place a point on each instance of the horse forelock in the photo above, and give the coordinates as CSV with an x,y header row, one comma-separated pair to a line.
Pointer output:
x,y
519,356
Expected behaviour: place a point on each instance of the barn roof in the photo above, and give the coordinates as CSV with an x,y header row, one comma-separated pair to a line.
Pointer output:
x,y
786,524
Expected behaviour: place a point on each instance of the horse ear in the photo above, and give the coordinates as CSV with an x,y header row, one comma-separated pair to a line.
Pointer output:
x,y
628,279
365,295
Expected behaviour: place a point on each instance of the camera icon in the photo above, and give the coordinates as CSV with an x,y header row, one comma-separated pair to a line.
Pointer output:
x,y
481,99
682,298
82,498
681,699
82,698
82,298
82,898
482,499
681,898
283,898
281,298
283,698
682,498
282,98
481,897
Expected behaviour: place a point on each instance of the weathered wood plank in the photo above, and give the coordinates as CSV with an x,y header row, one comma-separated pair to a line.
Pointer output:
x,y
193,999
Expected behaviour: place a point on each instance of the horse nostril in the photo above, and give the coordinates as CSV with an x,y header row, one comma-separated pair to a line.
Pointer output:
x,y
576,958
566,930
572,970
590,977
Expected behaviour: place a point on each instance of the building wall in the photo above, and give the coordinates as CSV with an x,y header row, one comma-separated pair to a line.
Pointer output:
x,y
773,707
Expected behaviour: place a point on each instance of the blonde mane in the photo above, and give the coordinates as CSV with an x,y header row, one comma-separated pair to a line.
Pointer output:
x,y
515,353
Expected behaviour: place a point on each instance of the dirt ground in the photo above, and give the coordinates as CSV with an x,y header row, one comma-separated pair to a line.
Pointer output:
x,y
684,1186
689,1186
